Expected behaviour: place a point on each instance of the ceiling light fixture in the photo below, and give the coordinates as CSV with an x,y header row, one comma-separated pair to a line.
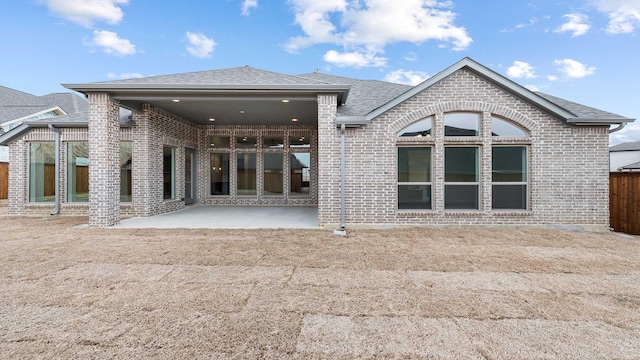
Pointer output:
x,y
241,111
285,100
212,119
176,100
294,120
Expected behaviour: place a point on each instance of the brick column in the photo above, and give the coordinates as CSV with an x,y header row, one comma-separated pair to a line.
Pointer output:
x,y
486,172
328,161
18,177
104,157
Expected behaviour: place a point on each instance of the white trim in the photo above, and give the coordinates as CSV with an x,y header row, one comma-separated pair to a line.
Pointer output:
x,y
55,109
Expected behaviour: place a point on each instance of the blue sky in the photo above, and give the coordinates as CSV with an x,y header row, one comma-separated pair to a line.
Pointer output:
x,y
581,50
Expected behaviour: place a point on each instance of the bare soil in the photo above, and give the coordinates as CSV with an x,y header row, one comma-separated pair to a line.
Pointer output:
x,y
69,292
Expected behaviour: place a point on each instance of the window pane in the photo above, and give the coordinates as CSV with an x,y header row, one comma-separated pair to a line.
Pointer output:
x,y
461,124
509,197
246,142
509,163
414,164
246,173
300,141
300,166
461,196
125,171
273,142
220,141
42,172
500,127
219,174
461,164
168,172
414,196
418,129
78,172
273,173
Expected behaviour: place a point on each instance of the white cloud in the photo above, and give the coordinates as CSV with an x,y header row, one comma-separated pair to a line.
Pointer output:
x,y
368,26
624,15
247,5
630,132
552,78
134,75
577,24
86,12
411,56
573,69
532,87
521,69
407,77
199,45
354,59
112,44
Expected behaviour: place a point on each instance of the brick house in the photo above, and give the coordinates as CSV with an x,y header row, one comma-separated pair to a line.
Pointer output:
x,y
467,146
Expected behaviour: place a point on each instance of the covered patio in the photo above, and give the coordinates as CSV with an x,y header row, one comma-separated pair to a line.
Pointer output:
x,y
229,217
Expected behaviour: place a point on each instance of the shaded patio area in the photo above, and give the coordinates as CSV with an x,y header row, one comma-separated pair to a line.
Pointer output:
x,y
229,217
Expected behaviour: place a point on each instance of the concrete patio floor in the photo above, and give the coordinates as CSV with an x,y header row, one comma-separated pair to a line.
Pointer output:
x,y
229,217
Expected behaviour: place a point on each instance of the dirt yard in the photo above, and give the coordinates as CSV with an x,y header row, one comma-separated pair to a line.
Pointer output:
x,y
70,292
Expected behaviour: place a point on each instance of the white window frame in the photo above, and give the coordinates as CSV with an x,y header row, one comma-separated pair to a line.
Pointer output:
x,y
525,183
420,183
457,183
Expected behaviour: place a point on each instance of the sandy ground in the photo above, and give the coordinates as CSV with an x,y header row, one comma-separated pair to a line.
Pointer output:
x,y
70,292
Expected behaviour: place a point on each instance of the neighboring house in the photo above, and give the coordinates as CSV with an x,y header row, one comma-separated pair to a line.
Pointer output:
x,y
17,107
467,146
625,156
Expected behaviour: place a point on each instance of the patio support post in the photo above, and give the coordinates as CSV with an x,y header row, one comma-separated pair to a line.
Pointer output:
x,y
104,157
343,224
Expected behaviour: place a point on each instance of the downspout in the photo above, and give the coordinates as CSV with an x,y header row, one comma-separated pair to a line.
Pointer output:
x,y
56,208
622,125
343,225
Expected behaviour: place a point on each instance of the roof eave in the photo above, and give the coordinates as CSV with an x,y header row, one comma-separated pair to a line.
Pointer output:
x,y
578,121
27,126
352,121
211,90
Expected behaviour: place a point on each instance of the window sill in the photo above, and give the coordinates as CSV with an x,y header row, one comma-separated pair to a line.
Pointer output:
x,y
513,213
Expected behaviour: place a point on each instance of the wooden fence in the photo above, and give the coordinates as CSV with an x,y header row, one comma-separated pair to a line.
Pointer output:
x,y
4,180
624,202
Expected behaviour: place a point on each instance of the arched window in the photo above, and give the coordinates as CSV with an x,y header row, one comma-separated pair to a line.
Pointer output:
x,y
420,128
502,127
461,124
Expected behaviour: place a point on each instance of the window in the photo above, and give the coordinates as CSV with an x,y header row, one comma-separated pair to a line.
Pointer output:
x,y
414,178
42,172
300,141
246,175
461,177
125,171
273,173
300,167
421,128
77,172
461,124
501,127
509,176
246,142
169,172
219,174
220,141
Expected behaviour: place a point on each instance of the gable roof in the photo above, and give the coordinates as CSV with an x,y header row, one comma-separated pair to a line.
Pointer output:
x,y
571,112
634,166
628,146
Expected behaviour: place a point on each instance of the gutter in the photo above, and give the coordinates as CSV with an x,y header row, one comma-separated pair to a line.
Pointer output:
x,y
56,208
620,127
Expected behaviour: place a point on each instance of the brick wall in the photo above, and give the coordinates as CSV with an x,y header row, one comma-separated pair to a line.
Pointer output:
x,y
568,165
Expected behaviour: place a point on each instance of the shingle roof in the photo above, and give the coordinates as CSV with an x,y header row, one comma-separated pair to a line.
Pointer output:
x,y
245,75
628,146
365,95
16,104
634,166
580,110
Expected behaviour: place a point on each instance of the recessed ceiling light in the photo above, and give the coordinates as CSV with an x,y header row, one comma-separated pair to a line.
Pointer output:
x,y
285,100
241,111
175,100
294,120
212,119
